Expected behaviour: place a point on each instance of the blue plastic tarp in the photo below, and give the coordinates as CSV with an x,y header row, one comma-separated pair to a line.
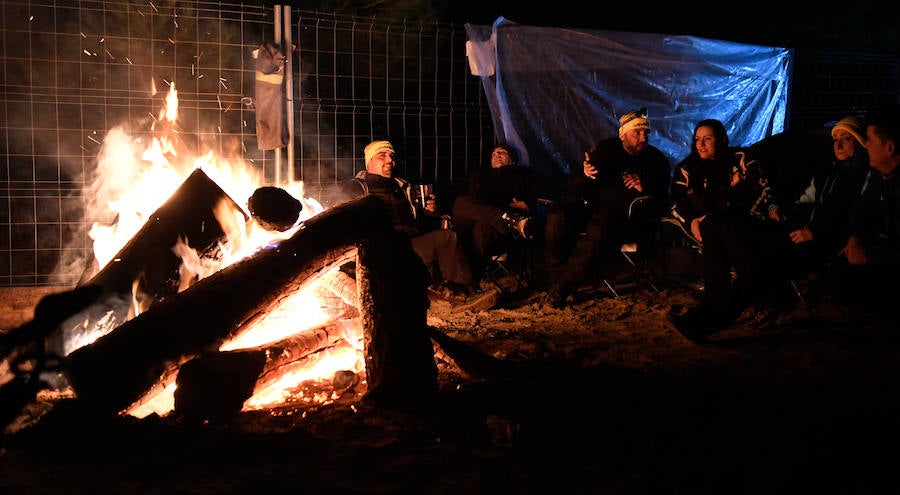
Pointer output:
x,y
554,92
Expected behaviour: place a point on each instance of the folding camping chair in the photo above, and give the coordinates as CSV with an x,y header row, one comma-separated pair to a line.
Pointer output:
x,y
640,249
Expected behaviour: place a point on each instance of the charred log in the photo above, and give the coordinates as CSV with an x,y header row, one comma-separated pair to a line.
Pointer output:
x,y
113,371
273,208
214,386
50,312
392,281
189,214
26,349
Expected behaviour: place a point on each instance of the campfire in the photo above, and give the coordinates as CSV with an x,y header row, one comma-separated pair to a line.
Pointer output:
x,y
192,306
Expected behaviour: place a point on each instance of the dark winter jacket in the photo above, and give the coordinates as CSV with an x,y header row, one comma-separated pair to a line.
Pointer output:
x,y
734,185
824,206
612,161
498,186
406,215
875,218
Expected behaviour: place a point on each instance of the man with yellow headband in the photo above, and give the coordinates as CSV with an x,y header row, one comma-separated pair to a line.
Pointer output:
x,y
614,172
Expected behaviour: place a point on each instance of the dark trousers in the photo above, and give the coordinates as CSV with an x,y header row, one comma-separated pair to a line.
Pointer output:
x,y
443,256
750,247
870,288
559,236
601,235
480,229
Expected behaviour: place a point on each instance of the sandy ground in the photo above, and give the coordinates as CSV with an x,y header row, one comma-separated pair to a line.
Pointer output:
x,y
600,397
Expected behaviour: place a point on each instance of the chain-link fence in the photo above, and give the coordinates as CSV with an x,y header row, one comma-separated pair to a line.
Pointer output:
x,y
73,70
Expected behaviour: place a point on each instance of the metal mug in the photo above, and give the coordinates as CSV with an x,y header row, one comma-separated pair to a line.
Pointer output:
x,y
424,192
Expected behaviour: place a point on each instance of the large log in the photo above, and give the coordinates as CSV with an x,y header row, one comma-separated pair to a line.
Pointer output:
x,y
146,269
214,373
392,281
113,371
300,345
147,258
214,386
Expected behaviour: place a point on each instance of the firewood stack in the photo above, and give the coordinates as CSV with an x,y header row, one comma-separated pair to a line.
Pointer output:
x,y
113,371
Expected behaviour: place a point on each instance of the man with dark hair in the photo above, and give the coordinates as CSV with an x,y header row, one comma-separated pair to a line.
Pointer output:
x,y
873,241
498,204
615,172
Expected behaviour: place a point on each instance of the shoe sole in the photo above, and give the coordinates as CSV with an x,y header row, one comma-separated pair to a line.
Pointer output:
x,y
480,302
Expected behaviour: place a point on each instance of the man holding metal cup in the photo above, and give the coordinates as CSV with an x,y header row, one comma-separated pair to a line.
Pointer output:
x,y
418,218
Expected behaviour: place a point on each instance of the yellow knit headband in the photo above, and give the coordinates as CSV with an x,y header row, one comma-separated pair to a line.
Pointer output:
x,y
376,146
633,120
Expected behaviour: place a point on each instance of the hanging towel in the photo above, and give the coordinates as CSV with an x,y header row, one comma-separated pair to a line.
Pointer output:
x,y
271,131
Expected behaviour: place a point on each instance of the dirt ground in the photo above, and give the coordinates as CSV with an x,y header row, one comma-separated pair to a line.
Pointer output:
x,y
600,397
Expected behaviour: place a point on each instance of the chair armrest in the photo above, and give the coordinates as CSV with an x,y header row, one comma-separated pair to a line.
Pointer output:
x,y
637,202
684,229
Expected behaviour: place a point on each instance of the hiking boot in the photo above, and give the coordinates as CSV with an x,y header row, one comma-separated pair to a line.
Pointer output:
x,y
765,318
519,225
555,298
699,322
445,292
478,300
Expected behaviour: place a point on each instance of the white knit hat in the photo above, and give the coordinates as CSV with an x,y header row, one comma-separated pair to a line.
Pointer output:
x,y
376,146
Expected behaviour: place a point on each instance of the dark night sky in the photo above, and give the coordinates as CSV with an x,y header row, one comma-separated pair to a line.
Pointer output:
x,y
861,25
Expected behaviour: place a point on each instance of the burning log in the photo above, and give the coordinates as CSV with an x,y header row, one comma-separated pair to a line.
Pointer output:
x,y
298,346
271,387
276,356
342,285
111,372
215,386
191,214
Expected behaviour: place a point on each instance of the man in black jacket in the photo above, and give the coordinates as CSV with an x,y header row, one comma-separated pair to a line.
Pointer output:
x,y
438,248
614,172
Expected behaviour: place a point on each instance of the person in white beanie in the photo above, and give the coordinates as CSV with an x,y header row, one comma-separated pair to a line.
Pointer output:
x,y
439,248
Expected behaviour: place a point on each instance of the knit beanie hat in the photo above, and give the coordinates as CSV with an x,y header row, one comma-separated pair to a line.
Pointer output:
x,y
633,120
374,147
854,126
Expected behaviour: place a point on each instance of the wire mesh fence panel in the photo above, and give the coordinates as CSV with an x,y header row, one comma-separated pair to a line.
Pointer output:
x,y
73,71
